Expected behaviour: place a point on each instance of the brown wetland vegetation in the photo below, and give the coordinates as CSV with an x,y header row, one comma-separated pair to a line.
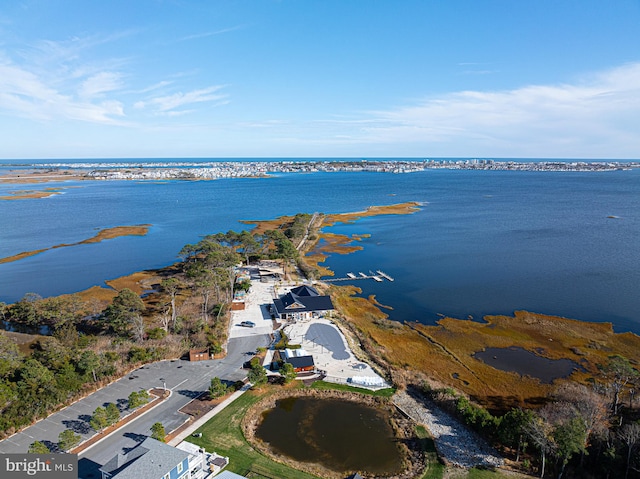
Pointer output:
x,y
104,234
444,353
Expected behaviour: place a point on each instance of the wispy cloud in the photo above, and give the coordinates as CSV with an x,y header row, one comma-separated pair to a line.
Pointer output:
x,y
169,103
480,72
156,86
601,111
101,83
197,36
24,94
52,80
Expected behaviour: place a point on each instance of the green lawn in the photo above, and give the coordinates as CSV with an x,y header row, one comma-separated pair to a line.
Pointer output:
x,y
435,469
387,393
223,435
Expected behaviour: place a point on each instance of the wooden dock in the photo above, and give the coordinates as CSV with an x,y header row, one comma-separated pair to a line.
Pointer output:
x,y
378,276
384,275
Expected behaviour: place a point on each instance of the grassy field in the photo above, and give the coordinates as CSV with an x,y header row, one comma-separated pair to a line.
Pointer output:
x,y
386,393
223,434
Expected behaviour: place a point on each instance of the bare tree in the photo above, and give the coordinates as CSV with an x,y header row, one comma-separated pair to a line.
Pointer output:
x,y
590,407
629,434
171,286
539,432
619,373
164,319
137,328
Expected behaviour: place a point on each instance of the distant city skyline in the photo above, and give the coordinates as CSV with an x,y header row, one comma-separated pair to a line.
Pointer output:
x,y
331,78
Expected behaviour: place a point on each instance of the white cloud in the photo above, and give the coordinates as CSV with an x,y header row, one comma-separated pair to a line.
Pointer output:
x,y
156,86
56,80
598,114
164,104
99,84
23,93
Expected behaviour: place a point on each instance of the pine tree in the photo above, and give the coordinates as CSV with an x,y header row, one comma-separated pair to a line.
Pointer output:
x,y
158,432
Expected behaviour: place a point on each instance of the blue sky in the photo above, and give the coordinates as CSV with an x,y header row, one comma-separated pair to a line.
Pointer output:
x,y
325,78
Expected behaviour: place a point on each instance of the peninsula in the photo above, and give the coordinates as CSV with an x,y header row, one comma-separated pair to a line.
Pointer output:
x,y
104,234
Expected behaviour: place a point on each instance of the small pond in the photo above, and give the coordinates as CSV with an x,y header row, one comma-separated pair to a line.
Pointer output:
x,y
25,328
526,363
339,434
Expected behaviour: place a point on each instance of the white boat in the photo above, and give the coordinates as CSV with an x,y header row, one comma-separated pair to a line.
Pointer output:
x,y
351,275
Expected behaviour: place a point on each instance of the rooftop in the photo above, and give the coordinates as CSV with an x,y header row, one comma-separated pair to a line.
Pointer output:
x,y
150,459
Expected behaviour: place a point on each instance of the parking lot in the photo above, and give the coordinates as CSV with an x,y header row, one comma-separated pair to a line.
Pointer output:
x,y
255,309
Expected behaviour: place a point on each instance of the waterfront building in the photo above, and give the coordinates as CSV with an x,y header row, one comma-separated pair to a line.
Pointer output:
x,y
303,302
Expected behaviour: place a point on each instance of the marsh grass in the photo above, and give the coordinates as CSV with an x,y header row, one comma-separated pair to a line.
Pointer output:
x,y
136,282
397,209
31,194
445,352
105,234
262,226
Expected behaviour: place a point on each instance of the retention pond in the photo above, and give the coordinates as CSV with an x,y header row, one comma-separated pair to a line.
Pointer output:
x,y
339,434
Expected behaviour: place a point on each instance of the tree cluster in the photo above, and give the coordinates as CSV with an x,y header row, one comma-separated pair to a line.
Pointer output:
x,y
76,357
55,372
583,431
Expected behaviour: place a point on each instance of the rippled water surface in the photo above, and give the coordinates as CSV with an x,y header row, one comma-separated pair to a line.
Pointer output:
x,y
485,242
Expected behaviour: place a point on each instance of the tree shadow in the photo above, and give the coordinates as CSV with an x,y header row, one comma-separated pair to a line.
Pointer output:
x,y
79,427
123,404
85,417
52,446
189,393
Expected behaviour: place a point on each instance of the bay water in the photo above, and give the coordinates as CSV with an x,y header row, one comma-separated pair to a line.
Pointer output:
x,y
484,242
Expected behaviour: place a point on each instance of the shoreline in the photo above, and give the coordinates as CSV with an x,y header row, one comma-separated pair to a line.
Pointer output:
x,y
443,353
102,235
186,170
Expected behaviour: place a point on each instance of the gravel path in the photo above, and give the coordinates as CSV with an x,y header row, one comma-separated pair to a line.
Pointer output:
x,y
454,442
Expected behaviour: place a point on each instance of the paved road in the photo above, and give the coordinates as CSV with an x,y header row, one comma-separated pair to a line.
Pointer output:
x,y
185,379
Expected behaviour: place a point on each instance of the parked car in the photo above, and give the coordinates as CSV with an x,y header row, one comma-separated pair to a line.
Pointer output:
x,y
248,324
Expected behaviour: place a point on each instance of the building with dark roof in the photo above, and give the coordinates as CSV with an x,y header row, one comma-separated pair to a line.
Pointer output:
x,y
229,475
151,459
301,363
300,359
303,302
